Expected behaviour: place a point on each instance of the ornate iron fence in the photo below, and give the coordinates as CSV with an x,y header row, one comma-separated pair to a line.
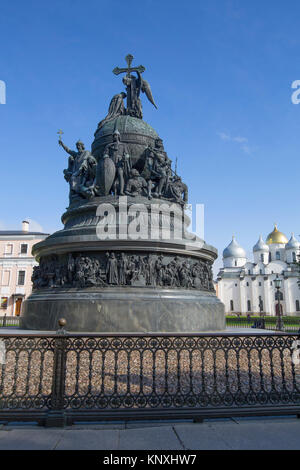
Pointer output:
x,y
65,378
6,320
267,323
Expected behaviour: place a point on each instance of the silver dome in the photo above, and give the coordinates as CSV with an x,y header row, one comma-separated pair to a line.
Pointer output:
x,y
234,250
261,245
292,244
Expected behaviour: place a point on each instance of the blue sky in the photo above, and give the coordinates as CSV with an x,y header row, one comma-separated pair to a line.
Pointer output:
x,y
220,71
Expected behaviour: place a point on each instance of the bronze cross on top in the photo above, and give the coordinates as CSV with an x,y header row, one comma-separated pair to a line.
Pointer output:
x,y
129,58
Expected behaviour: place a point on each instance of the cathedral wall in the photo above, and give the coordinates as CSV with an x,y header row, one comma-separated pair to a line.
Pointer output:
x,y
291,294
229,292
232,262
277,247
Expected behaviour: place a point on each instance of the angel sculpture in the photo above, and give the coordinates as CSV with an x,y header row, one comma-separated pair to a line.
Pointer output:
x,y
134,85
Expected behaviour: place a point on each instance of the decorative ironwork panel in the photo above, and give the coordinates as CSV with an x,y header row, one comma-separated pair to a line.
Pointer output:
x,y
26,369
193,371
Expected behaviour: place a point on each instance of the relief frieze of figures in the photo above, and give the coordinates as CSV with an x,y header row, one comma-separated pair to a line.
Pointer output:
x,y
123,269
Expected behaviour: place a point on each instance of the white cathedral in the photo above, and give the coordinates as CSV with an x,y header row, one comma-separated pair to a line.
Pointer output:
x,y
248,287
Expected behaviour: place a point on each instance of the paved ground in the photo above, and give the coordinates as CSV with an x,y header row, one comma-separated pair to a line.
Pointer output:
x,y
281,433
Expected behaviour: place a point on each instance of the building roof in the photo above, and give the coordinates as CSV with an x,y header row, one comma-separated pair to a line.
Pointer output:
x,y
234,250
293,243
19,232
276,237
261,245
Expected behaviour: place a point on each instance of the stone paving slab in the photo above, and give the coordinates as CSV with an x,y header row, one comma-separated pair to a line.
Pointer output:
x,y
154,438
200,436
263,435
242,434
89,440
30,439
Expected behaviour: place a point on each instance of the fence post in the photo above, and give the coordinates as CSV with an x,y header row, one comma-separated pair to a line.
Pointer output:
x,y
57,416
4,320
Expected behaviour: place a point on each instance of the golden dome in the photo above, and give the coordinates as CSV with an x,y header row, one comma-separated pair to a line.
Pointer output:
x,y
276,237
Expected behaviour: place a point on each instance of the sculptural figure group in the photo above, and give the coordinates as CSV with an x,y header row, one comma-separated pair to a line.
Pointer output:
x,y
116,174
119,177
155,270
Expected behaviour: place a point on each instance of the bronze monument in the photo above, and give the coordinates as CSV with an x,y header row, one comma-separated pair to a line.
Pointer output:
x,y
124,261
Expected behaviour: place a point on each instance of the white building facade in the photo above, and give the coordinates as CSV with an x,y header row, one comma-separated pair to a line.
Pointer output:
x,y
247,287
16,266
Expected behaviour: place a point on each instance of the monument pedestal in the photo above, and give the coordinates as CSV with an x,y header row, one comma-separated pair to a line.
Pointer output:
x,y
125,310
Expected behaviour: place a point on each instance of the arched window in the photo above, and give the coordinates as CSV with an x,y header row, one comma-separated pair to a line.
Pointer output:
x,y
297,306
262,257
231,305
294,257
277,255
235,263
270,257
260,271
249,305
